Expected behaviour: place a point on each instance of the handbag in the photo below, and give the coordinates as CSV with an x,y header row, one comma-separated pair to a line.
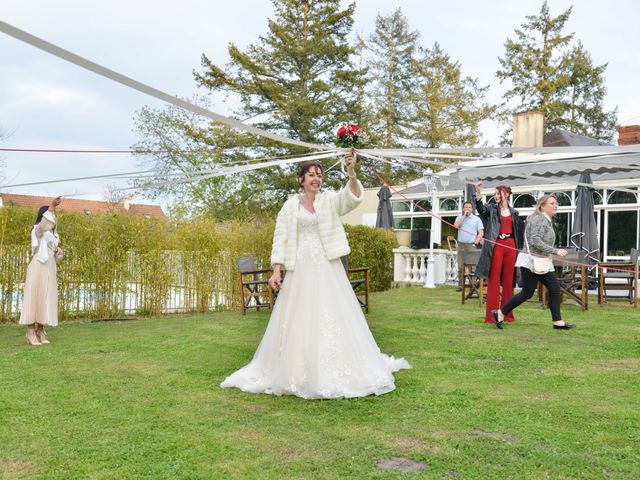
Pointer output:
x,y
539,265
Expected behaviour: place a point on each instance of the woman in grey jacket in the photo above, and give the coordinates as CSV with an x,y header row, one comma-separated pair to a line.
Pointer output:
x,y
540,238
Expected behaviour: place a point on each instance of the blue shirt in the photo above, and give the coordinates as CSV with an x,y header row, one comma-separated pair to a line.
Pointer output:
x,y
472,224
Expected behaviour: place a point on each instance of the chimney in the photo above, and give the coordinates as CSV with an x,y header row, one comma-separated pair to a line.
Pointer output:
x,y
629,135
126,203
528,129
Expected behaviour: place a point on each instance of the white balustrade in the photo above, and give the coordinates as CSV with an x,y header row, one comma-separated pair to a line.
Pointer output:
x,y
422,273
453,272
407,268
415,260
410,266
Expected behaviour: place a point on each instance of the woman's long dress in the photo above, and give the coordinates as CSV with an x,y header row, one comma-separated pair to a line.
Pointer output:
x,y
40,302
317,343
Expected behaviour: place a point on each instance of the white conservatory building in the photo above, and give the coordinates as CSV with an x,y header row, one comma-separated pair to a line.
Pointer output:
x,y
614,172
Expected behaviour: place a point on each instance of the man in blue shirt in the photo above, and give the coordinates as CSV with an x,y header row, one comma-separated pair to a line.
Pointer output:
x,y
470,234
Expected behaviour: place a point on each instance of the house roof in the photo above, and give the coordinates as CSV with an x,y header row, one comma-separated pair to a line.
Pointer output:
x,y
564,138
604,162
84,206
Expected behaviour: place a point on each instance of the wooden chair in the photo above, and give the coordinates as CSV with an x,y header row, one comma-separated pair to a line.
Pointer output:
x,y
618,279
359,279
572,276
472,285
254,289
452,243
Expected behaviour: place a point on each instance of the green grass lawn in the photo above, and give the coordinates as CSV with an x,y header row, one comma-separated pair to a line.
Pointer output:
x,y
140,399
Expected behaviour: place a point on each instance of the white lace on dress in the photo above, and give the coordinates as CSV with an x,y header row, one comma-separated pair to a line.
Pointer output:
x,y
309,243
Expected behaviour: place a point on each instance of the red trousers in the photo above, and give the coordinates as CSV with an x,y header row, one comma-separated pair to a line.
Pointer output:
x,y
503,264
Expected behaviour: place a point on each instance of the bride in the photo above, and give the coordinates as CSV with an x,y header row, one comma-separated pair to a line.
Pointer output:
x,y
317,343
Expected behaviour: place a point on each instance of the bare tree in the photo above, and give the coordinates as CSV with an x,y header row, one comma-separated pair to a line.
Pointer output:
x,y
114,198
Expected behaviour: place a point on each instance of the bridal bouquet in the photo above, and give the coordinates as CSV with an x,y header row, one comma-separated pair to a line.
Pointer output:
x,y
349,135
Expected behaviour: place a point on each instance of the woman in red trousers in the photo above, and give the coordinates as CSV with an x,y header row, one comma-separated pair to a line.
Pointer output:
x,y
503,230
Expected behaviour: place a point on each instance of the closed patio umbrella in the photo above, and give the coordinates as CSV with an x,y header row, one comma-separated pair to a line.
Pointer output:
x,y
384,219
585,229
470,193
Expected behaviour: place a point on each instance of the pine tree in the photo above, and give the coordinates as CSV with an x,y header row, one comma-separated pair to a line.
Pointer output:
x,y
298,80
547,74
448,105
392,47
584,113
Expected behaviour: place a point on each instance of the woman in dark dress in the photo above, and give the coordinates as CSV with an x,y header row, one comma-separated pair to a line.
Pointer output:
x,y
503,229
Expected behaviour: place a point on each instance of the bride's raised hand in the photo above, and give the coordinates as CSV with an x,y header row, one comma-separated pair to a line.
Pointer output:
x,y
349,159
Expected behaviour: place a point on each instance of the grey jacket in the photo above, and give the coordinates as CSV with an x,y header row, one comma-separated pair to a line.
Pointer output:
x,y
540,235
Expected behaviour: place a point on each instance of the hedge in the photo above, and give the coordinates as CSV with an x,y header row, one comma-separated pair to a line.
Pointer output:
x,y
117,264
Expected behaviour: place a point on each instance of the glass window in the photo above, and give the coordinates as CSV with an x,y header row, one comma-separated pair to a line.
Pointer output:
x,y
401,206
421,222
622,197
524,200
623,228
422,204
449,204
597,197
447,230
403,223
564,198
562,226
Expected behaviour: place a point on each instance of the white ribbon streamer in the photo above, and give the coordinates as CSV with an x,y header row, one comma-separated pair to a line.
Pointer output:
x,y
141,87
222,172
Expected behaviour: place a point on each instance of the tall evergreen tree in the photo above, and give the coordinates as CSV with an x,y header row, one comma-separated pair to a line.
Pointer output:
x,y
448,106
298,80
547,74
584,98
392,47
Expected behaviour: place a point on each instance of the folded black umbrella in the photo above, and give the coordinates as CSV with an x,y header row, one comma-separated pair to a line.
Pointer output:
x,y
585,228
384,219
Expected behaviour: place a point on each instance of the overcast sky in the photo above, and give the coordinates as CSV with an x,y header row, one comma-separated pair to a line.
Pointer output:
x,y
46,103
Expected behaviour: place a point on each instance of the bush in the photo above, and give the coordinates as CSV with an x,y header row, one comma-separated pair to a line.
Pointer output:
x,y
372,247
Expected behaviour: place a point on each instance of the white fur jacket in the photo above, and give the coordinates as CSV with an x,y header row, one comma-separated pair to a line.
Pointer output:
x,y
43,237
329,206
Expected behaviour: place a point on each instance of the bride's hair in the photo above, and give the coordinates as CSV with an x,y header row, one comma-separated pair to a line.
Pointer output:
x,y
305,167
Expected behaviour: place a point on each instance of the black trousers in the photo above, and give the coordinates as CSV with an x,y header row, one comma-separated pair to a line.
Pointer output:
x,y
529,283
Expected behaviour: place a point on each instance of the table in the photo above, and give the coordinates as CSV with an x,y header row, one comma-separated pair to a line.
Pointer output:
x,y
571,277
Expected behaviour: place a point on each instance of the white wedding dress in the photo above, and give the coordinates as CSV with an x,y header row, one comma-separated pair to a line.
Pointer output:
x,y
317,343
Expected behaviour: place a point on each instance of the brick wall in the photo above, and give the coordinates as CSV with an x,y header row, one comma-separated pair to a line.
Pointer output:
x,y
629,135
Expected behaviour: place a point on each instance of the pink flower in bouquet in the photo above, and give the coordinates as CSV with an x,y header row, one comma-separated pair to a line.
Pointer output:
x,y
342,131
